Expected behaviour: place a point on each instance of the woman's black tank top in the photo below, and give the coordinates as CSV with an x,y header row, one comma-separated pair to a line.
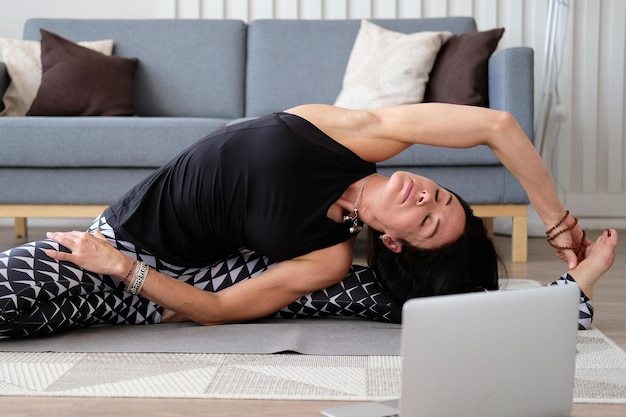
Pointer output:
x,y
265,185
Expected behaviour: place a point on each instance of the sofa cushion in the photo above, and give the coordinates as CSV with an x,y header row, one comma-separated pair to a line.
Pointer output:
x,y
460,73
193,68
77,81
65,186
91,142
388,68
309,57
23,63
425,156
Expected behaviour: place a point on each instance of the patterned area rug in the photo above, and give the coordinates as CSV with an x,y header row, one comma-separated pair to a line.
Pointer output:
x,y
600,374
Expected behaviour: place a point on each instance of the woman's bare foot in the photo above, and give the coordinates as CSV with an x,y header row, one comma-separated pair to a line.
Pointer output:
x,y
599,258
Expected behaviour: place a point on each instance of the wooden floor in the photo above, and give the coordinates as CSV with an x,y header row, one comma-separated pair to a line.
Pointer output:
x,y
609,300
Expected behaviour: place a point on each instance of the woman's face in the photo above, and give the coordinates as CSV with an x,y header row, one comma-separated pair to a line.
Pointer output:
x,y
415,209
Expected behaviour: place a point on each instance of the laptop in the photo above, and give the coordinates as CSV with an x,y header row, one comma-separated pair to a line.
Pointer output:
x,y
489,354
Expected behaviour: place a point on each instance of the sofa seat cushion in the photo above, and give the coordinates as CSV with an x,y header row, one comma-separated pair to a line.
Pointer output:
x,y
138,142
424,155
475,184
64,186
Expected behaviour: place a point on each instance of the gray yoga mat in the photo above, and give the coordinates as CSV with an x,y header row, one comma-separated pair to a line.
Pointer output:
x,y
327,336
330,336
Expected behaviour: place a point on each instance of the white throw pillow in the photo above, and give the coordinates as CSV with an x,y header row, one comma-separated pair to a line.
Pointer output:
x,y
23,61
388,68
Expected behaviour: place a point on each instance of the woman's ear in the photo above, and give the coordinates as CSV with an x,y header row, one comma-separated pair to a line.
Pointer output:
x,y
391,244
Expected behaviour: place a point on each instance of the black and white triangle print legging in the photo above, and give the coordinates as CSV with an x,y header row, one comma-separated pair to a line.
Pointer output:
x,y
39,295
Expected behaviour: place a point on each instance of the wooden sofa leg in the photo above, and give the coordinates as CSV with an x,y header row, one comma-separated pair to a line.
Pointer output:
x,y
519,239
20,228
519,230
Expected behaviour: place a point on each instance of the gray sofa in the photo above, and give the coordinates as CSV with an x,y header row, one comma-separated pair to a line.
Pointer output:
x,y
195,76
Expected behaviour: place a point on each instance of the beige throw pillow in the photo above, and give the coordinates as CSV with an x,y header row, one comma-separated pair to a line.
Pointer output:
x,y
23,61
388,68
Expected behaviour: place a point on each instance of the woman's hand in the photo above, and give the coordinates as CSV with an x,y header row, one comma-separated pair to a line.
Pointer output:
x,y
569,241
91,252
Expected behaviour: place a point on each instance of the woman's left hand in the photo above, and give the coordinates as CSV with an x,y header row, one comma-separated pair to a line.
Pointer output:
x,y
91,252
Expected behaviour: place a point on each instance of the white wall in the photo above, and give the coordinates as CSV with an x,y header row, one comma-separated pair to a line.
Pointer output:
x,y
587,153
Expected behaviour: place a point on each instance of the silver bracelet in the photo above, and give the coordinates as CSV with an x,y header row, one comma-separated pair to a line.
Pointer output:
x,y
139,277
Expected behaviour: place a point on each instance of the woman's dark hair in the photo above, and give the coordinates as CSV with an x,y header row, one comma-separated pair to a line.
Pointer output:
x,y
469,264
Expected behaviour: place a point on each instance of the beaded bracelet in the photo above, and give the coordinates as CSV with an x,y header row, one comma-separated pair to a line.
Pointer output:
x,y
568,247
139,277
553,228
560,232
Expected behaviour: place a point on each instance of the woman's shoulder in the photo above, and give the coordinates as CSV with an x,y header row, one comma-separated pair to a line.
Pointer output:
x,y
336,119
361,131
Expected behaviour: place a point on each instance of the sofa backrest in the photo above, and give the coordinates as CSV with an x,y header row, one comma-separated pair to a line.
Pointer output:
x,y
292,62
193,68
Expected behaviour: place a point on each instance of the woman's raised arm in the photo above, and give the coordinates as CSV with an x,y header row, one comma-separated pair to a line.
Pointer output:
x,y
379,134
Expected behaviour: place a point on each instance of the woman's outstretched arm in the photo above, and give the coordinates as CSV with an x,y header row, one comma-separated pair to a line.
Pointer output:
x,y
272,290
380,134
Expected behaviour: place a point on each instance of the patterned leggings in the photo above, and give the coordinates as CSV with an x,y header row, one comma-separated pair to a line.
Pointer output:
x,y
39,295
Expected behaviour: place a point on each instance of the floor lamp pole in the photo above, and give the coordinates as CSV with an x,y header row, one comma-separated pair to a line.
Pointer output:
x,y
535,225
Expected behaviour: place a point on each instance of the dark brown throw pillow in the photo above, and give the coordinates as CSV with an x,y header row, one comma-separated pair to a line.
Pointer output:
x,y
460,73
77,81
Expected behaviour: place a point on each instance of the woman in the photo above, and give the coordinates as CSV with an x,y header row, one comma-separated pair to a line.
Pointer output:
x,y
282,186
